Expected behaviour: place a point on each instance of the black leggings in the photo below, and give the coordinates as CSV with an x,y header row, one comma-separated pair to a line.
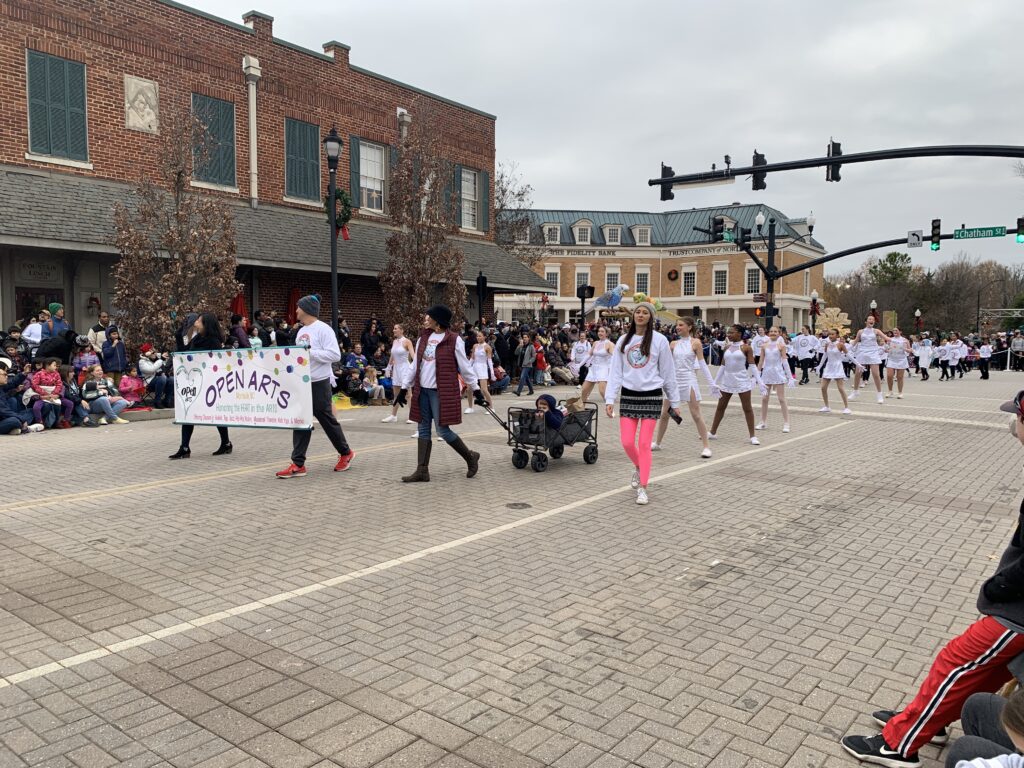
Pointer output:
x,y
188,429
944,365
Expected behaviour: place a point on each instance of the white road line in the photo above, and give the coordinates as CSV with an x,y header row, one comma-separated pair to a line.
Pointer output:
x,y
177,629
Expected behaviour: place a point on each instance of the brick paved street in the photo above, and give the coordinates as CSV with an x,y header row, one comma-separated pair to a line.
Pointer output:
x,y
203,613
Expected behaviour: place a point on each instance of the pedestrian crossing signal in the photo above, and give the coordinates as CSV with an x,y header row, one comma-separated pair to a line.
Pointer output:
x,y
759,312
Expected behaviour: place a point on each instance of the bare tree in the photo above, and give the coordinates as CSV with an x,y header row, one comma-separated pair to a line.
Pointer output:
x,y
422,203
513,200
177,246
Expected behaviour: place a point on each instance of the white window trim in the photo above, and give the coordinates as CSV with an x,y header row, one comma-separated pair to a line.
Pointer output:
x,y
558,277
581,269
558,229
576,232
720,267
303,201
358,203
522,237
642,269
616,268
216,187
606,228
683,272
635,231
55,160
747,269
476,202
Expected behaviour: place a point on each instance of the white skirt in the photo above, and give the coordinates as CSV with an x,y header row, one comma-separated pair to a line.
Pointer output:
x,y
774,375
687,383
869,357
834,370
598,372
898,365
482,371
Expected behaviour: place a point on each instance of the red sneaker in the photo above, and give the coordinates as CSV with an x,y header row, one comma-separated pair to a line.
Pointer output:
x,y
343,461
292,471
64,424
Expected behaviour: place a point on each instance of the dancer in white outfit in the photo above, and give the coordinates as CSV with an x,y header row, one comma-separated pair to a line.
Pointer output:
x,y
483,366
398,367
598,363
580,353
688,354
776,376
831,369
898,362
736,376
870,342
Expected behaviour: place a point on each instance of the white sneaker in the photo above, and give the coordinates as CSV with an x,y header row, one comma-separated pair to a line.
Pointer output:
x,y
469,410
634,481
899,396
888,394
119,420
36,427
762,425
785,427
103,421
655,447
880,398
706,453
712,436
409,421
641,496
389,419
754,441
826,409
854,394
415,434
847,411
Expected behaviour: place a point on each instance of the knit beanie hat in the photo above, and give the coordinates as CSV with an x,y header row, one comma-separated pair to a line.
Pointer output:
x,y
649,307
310,305
55,308
441,315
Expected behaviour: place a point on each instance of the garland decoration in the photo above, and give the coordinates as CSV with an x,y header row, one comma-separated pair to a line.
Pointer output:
x,y
342,217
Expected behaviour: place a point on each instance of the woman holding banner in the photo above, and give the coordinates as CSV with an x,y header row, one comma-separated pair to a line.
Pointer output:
x,y
205,335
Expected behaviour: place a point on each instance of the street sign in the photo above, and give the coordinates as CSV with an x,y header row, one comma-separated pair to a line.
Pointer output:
x,y
915,238
970,234
760,298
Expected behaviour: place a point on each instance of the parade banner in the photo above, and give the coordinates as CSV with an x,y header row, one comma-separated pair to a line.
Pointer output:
x,y
244,388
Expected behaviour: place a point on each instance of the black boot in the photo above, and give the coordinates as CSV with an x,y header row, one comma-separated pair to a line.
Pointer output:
x,y
422,473
472,457
224,448
183,453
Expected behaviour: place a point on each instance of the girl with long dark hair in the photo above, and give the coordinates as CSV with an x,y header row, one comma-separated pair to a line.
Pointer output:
x,y
642,369
207,336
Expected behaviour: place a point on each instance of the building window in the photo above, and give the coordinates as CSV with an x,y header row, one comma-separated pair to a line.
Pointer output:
x,y
611,280
583,278
614,234
215,158
643,281
753,280
689,283
56,107
807,282
371,176
302,160
551,275
551,234
470,200
721,282
643,236
523,235
582,235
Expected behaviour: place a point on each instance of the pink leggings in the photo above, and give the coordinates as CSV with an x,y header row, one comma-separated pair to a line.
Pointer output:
x,y
640,454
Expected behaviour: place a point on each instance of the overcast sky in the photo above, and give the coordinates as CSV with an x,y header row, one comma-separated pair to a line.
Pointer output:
x,y
592,95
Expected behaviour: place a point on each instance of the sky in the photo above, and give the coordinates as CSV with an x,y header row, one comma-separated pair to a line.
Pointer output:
x,y
591,96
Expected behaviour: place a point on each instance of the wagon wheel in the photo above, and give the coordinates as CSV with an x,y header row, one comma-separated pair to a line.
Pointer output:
x,y
520,458
590,454
539,462
556,451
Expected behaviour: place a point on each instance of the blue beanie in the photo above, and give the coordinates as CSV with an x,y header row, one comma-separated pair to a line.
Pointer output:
x,y
550,400
310,305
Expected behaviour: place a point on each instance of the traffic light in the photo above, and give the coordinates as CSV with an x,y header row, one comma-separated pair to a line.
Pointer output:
x,y
742,237
718,229
759,312
696,311
585,292
936,234
1020,230
666,189
759,177
835,149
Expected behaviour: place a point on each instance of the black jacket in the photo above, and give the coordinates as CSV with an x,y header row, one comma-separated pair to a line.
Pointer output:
x,y
204,342
1002,595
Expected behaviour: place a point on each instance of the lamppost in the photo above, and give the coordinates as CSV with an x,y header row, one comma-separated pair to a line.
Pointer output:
x,y
769,269
918,322
332,147
874,309
814,310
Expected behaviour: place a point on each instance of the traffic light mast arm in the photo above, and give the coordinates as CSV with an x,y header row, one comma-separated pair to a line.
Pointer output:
x,y
760,265
951,150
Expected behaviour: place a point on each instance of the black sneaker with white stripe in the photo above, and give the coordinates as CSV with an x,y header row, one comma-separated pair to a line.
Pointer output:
x,y
883,716
873,749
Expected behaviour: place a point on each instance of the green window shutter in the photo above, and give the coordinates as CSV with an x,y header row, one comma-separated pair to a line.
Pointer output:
x,y
457,181
38,107
219,118
353,164
392,155
78,141
290,158
57,93
483,193
302,160
226,143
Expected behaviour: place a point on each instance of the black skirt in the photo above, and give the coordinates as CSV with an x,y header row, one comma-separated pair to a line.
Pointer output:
x,y
640,405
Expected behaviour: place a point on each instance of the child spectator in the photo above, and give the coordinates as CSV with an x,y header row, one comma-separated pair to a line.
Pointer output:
x,y
73,392
255,337
548,409
103,397
132,387
115,357
83,357
48,385
12,421
373,388
354,387
356,359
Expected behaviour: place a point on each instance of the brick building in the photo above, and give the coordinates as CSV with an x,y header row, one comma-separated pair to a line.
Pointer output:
x,y
83,86
660,254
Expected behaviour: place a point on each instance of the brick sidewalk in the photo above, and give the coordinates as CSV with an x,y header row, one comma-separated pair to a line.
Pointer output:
x,y
204,613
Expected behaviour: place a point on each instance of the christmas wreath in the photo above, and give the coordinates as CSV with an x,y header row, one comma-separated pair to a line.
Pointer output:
x,y
342,217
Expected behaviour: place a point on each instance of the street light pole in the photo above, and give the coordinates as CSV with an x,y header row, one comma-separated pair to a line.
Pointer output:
x,y
814,311
332,147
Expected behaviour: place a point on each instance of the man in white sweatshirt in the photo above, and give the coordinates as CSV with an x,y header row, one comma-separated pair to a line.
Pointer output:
x,y
322,344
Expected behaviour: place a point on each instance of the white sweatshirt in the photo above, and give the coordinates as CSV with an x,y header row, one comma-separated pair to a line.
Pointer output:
x,y
323,349
1003,761
630,369
428,371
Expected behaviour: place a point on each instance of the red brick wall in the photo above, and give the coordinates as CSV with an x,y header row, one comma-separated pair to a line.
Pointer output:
x,y
186,53
358,296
